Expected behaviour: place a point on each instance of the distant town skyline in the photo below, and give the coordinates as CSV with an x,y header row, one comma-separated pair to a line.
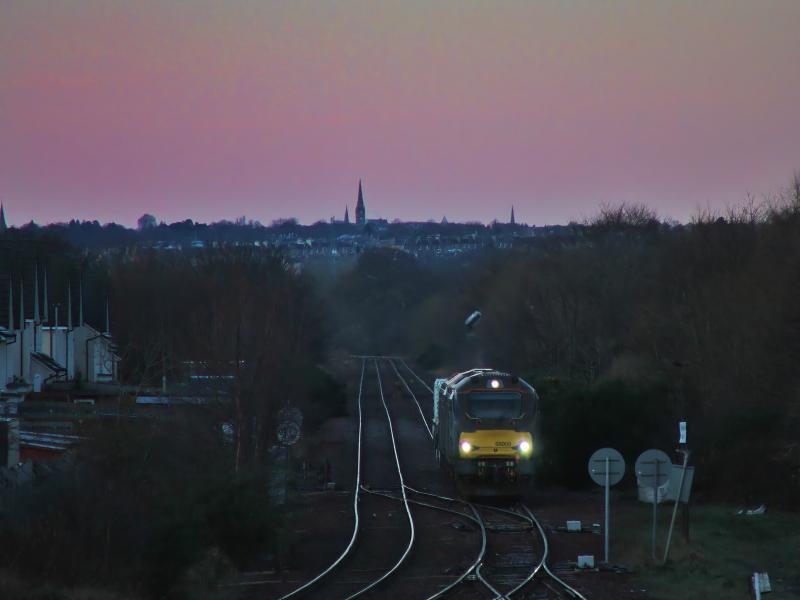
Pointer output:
x,y
210,111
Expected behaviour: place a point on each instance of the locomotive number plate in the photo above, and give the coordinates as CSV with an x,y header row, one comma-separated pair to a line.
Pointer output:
x,y
503,443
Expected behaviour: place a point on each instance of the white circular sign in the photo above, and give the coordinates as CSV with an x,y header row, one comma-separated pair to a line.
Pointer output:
x,y
606,458
653,468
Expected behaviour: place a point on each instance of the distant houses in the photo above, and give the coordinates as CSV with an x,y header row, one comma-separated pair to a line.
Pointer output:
x,y
333,238
37,349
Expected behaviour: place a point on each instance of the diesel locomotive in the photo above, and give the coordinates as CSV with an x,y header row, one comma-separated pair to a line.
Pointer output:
x,y
485,426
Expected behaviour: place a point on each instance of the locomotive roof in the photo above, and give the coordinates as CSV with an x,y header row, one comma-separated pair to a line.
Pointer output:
x,y
460,379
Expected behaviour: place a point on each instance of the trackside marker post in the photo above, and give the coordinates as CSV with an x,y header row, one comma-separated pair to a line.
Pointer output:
x,y
679,496
606,468
682,442
608,511
653,471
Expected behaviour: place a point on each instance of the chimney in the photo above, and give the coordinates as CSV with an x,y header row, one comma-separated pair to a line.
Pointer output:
x,y
69,306
10,306
46,307
36,293
21,328
80,302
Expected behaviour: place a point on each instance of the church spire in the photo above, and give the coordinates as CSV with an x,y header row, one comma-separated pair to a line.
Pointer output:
x,y
3,226
346,215
361,210
513,222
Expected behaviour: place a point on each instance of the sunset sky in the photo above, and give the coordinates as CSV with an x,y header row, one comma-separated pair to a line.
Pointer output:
x,y
212,109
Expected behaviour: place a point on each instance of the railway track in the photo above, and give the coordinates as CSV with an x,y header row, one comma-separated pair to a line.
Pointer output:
x,y
491,571
515,583
354,578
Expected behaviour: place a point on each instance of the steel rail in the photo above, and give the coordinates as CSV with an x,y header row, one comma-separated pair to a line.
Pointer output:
x,y
475,519
356,492
571,590
402,489
476,566
429,388
529,518
419,408
489,586
505,511
533,573
384,494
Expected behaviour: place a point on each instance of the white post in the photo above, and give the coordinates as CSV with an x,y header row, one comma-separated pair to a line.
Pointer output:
x,y
53,332
655,509
677,502
607,509
46,302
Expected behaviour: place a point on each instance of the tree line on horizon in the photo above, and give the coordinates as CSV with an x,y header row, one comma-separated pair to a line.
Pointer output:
x,y
626,328
623,325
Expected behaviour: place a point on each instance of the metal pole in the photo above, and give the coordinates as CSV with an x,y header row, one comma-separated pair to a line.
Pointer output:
x,y
677,503
53,331
686,522
607,509
655,509
286,475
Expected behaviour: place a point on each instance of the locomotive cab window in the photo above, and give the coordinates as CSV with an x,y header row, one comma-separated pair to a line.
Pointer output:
x,y
494,405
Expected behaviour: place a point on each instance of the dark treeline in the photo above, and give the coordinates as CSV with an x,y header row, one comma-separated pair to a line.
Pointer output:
x,y
95,235
164,503
67,268
151,507
626,326
242,319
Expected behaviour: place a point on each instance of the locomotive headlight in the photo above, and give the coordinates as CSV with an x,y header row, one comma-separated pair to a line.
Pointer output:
x,y
524,447
494,383
466,447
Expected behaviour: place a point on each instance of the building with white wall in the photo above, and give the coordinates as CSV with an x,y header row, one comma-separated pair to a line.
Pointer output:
x,y
35,352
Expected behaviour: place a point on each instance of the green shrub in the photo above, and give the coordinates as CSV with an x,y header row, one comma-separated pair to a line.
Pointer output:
x,y
323,396
150,500
577,419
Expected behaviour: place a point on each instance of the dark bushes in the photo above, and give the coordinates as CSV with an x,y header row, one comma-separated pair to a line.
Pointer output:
x,y
581,418
323,397
710,309
148,500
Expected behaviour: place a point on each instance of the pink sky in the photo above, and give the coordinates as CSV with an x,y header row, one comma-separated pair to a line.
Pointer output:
x,y
210,110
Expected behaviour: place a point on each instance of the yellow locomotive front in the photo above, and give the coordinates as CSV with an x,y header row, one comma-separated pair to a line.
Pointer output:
x,y
485,424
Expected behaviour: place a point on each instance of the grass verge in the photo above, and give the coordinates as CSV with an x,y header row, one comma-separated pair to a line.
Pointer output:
x,y
723,551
